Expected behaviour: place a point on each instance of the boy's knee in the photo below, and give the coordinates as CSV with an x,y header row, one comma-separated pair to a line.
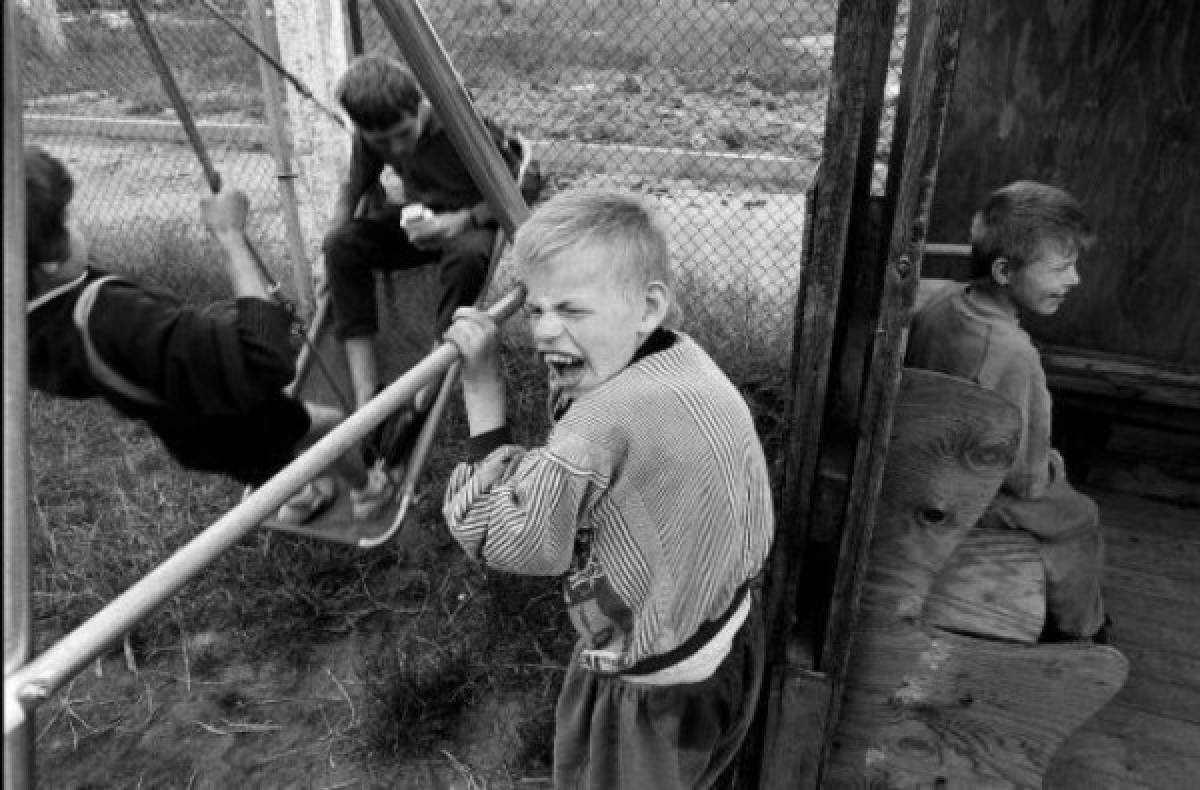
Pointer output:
x,y
336,242
464,265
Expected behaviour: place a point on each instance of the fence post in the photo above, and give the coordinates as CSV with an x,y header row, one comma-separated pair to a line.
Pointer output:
x,y
312,43
281,145
18,624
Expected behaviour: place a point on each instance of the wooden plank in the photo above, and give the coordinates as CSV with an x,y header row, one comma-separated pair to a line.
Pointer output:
x,y
910,202
965,712
1146,620
1160,682
1132,513
1169,557
793,728
1098,98
993,585
1121,744
863,27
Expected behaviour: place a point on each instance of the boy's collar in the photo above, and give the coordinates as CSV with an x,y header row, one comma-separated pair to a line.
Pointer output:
x,y
987,299
658,340
55,292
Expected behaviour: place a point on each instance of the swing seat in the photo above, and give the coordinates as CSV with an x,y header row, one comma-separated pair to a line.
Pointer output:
x,y
337,523
321,371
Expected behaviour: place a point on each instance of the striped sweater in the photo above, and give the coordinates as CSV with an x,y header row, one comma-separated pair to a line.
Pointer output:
x,y
651,495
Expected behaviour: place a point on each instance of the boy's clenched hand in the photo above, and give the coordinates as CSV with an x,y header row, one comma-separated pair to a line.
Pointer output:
x,y
476,336
226,211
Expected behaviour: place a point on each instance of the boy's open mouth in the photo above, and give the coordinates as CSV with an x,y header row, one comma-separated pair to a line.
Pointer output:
x,y
560,364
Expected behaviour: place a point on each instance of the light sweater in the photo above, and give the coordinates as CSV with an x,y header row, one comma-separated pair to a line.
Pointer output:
x,y
651,495
958,334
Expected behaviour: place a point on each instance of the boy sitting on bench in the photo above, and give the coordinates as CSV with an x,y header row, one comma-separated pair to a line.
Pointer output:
x,y
1025,244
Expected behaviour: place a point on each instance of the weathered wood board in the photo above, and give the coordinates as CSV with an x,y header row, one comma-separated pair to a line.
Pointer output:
x,y
1098,98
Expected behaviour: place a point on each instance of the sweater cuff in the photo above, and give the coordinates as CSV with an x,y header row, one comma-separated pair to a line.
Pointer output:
x,y
481,446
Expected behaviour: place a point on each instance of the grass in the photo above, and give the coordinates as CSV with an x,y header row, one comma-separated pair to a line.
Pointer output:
x,y
440,666
708,48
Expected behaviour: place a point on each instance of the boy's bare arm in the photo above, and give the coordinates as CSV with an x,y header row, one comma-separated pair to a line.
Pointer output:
x,y
225,214
477,338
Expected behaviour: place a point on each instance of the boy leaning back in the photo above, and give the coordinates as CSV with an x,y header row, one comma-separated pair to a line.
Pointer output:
x,y
650,497
207,381
452,226
1025,245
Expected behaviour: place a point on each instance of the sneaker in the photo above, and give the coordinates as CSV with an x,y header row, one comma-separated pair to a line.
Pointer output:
x,y
310,501
368,502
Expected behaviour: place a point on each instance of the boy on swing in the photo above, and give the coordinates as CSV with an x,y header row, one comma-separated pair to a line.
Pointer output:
x,y
1025,245
443,220
208,381
650,498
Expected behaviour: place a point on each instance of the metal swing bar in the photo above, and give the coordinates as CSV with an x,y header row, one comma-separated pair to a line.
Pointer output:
x,y
36,681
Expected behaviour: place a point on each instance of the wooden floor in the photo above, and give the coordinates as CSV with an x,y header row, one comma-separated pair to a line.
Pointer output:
x,y
1148,737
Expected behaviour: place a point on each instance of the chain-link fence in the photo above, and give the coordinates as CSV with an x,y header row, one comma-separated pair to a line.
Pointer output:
x,y
714,108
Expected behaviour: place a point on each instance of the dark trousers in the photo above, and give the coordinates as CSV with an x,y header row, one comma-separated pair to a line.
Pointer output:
x,y
611,734
376,242
1066,524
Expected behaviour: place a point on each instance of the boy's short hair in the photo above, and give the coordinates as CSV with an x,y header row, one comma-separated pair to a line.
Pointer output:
x,y
378,91
623,222
1017,219
49,188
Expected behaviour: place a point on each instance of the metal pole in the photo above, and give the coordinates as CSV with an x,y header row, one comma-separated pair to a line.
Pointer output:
x,y
18,624
430,64
281,140
40,678
150,43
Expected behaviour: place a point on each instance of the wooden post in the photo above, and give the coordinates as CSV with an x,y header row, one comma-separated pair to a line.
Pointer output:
x,y
312,41
910,202
263,23
795,694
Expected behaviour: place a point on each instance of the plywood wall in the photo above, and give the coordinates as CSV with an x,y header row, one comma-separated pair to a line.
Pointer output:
x,y
1103,99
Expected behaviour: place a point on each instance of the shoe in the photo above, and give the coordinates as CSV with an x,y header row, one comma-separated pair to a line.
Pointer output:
x,y
1051,635
310,501
368,502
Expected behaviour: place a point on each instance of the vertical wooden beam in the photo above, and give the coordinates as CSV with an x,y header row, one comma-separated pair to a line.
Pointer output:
x,y
263,23
312,42
932,84
18,625
792,690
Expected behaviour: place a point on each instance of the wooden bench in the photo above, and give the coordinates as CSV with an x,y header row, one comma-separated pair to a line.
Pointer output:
x,y
946,686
